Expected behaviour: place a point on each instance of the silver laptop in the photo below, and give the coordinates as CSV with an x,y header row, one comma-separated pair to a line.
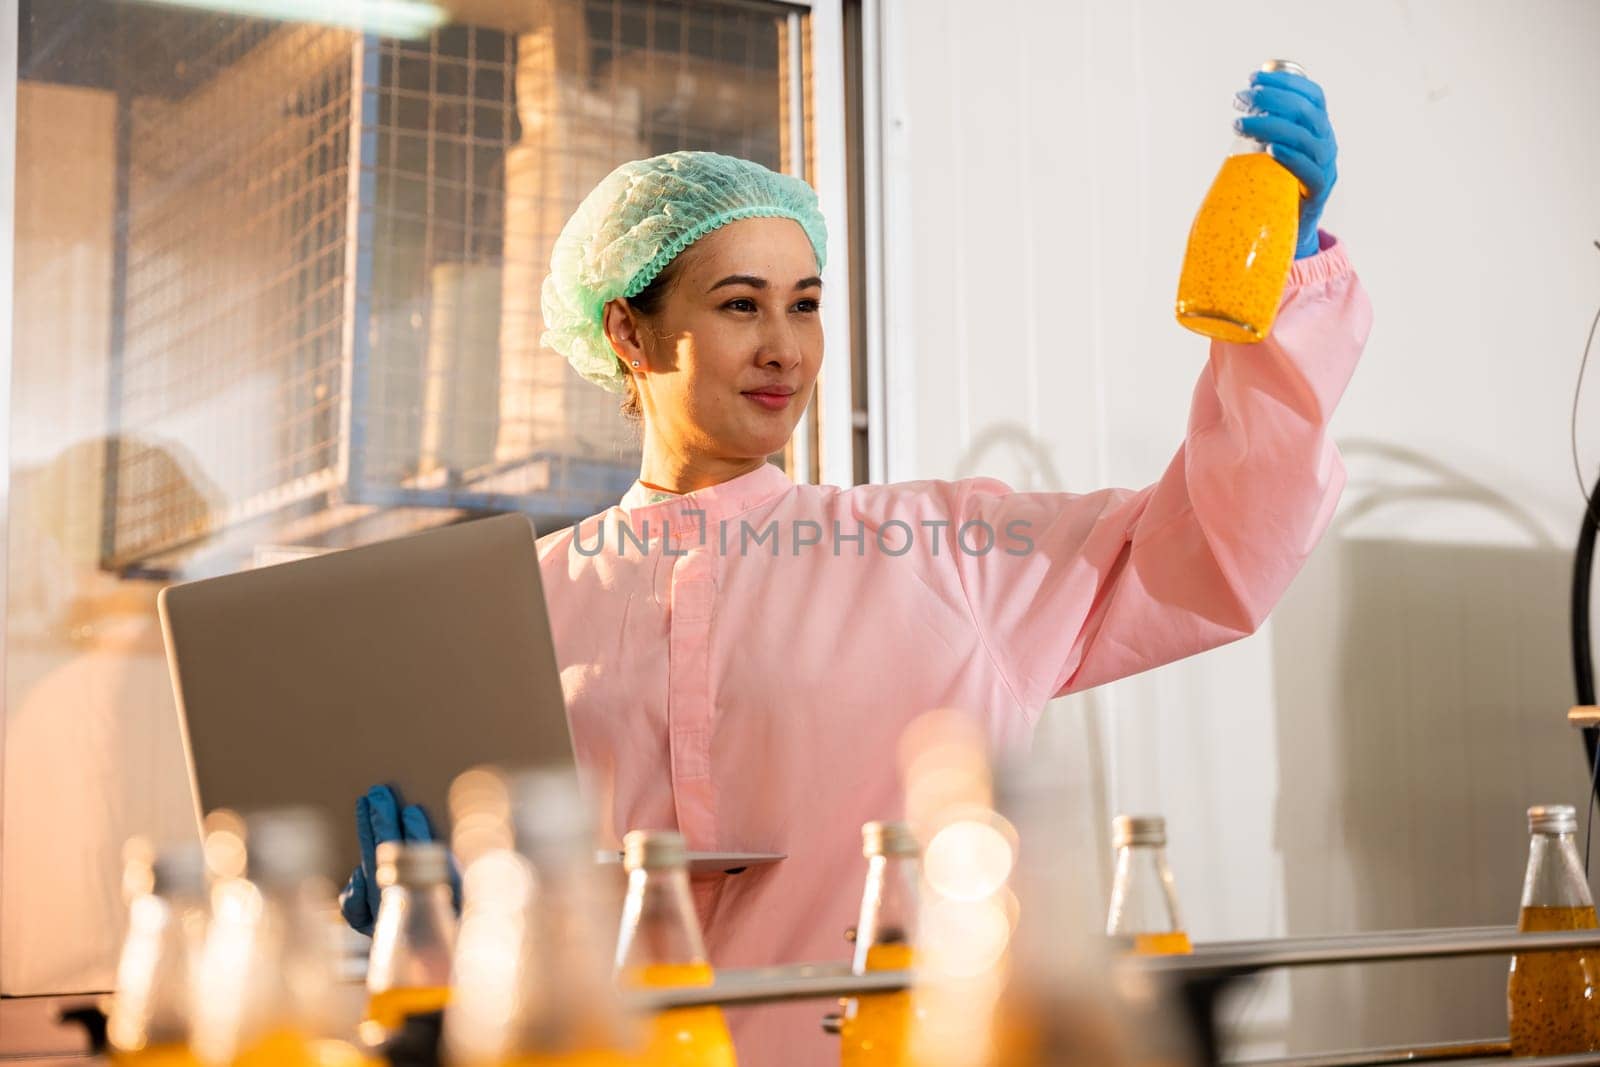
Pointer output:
x,y
403,662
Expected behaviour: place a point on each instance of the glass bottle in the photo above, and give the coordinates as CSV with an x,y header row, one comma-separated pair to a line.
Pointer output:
x,y
965,910
533,987
874,1029
1067,1000
1553,998
660,947
408,971
1144,899
268,993
148,1025
1242,243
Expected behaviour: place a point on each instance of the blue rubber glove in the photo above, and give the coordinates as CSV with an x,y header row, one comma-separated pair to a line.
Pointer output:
x,y
380,817
1290,116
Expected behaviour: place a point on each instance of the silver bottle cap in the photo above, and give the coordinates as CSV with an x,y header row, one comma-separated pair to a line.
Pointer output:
x,y
888,839
1288,66
286,845
179,869
548,810
413,863
1138,830
653,850
1552,819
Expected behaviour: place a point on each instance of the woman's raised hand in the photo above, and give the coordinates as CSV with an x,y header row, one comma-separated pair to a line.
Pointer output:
x,y
381,816
1288,113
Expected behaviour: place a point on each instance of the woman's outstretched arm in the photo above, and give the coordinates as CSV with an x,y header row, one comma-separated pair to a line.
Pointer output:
x,y
1118,581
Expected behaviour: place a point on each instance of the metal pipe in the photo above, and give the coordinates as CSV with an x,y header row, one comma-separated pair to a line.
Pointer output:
x,y
1204,948
822,980
1368,948
1381,1057
1448,1051
765,985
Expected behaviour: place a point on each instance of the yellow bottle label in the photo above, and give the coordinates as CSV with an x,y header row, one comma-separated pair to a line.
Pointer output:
x,y
684,1037
877,1031
1553,998
1241,248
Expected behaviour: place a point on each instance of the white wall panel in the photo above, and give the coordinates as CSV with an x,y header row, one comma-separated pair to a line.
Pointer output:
x,y
1364,760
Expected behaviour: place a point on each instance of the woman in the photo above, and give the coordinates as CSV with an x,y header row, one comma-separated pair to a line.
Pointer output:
x,y
739,653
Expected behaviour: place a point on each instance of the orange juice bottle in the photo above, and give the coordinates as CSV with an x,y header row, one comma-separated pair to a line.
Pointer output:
x,y
268,993
1144,899
873,1030
660,947
408,970
1063,1000
1242,243
532,967
148,1025
1553,998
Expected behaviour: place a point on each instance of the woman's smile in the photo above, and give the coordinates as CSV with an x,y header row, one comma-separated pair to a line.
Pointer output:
x,y
771,397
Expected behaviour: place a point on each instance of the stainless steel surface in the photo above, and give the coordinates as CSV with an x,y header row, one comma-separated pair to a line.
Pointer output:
x,y
763,985
709,862
1368,948
1580,1059
1429,933
1452,1052
819,980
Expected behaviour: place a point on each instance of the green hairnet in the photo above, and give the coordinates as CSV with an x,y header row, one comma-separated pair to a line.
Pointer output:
x,y
635,222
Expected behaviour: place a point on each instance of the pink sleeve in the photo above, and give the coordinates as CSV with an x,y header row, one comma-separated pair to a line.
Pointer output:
x,y
1116,582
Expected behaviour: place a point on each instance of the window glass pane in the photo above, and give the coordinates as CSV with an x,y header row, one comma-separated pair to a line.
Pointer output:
x,y
277,292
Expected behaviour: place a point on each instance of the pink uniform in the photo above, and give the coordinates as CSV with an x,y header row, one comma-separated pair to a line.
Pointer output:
x,y
739,661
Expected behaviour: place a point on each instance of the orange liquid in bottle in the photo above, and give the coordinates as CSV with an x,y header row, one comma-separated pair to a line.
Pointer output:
x,y
1554,997
289,1048
389,1008
877,1033
684,1037
586,1058
1175,943
155,1056
1237,262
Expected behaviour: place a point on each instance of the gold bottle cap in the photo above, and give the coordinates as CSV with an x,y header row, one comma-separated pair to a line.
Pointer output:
x,y
412,863
1129,830
888,839
652,850
286,845
1552,819
179,869
1288,66
548,810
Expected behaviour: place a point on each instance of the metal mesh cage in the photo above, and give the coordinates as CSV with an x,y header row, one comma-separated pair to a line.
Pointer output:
x,y
233,288
334,246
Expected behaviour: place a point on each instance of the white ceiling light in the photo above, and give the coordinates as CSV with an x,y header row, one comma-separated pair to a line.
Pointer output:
x,y
385,18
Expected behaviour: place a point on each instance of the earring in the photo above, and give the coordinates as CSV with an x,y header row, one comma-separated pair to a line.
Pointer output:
x,y
635,363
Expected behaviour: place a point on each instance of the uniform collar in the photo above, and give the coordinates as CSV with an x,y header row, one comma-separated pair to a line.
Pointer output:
x,y
725,499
